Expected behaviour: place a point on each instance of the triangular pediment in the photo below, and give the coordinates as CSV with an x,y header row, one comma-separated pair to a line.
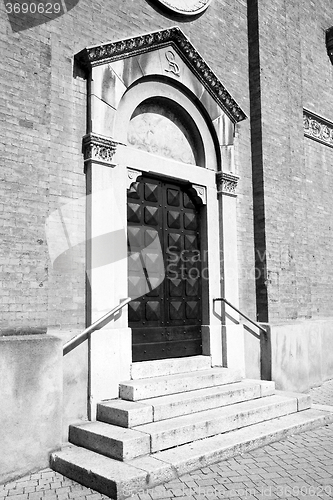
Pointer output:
x,y
175,38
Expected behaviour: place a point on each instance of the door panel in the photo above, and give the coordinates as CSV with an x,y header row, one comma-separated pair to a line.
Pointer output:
x,y
165,317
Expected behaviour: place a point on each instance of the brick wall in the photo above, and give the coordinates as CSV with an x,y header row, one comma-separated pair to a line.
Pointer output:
x,y
294,72
43,120
317,73
319,236
317,70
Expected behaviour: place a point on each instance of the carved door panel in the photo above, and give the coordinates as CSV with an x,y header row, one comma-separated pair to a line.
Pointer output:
x,y
165,313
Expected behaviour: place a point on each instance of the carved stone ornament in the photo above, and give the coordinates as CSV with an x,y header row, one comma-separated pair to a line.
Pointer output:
x,y
227,183
132,176
201,193
99,149
318,128
174,37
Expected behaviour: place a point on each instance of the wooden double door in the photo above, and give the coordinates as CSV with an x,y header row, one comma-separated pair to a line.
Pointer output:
x,y
164,270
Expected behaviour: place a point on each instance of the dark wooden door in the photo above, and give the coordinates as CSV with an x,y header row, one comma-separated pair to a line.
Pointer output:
x,y
164,268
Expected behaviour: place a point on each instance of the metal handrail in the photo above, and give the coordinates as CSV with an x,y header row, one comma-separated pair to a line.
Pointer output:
x,y
97,325
222,299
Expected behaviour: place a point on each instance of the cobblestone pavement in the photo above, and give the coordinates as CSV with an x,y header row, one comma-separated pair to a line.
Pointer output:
x,y
300,466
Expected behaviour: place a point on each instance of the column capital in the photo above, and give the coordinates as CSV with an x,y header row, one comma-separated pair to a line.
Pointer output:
x,y
227,183
98,148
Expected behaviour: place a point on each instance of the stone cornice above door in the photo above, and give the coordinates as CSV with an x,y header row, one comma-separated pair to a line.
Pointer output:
x,y
174,38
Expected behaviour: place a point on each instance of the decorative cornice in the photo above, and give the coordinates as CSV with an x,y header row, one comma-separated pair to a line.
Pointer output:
x,y
99,149
109,52
227,183
317,128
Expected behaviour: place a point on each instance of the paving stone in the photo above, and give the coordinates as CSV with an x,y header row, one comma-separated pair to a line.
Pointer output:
x,y
34,496
18,497
56,484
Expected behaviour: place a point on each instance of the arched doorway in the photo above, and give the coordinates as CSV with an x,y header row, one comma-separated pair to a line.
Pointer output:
x,y
178,151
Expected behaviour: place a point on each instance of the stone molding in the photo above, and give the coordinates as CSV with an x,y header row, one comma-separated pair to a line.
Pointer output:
x,y
317,128
109,52
227,183
99,149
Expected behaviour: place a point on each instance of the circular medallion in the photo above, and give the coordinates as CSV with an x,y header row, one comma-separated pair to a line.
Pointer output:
x,y
187,7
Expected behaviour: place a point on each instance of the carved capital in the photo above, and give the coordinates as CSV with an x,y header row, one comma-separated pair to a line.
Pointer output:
x,y
317,128
227,183
99,149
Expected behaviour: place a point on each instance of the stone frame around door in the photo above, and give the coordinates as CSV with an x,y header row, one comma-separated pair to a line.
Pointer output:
x,y
121,76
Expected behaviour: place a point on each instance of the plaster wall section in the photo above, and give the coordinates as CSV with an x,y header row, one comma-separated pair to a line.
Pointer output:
x,y
300,357
31,395
74,381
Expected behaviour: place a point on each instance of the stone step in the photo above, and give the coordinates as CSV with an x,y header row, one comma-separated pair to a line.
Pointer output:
x,y
124,413
187,403
134,390
162,367
132,413
120,480
180,430
110,440
201,453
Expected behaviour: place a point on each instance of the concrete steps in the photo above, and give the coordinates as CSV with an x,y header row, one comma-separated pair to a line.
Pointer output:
x,y
124,444
183,417
179,430
131,414
120,480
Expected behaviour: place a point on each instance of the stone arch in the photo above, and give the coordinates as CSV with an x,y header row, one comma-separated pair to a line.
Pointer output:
x,y
190,118
165,55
